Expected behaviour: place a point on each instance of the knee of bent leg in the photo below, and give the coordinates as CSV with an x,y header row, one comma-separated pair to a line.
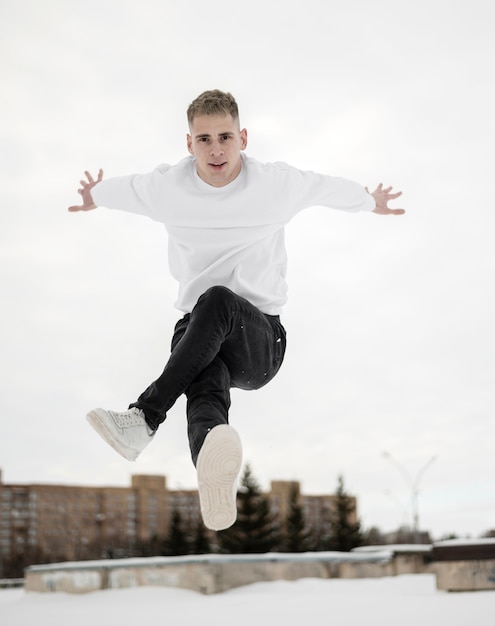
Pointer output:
x,y
218,296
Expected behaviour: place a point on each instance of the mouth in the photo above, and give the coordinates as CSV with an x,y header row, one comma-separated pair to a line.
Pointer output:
x,y
217,166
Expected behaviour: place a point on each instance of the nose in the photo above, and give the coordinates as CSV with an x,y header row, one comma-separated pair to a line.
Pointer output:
x,y
216,148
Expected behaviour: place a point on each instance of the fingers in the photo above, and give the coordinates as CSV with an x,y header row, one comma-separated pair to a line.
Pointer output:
x,y
385,192
386,211
82,207
382,197
85,192
91,182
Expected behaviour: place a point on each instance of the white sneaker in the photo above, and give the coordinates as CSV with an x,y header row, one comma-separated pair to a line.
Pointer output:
x,y
218,465
127,432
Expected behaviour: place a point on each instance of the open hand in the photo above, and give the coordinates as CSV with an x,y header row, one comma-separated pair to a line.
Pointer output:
x,y
85,192
382,197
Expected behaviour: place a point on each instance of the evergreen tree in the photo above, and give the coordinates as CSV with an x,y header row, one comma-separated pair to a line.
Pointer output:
x,y
321,531
150,547
373,537
296,535
345,534
176,542
201,542
255,530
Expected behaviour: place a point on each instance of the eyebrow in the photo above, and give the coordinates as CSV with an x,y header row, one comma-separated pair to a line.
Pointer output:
x,y
201,135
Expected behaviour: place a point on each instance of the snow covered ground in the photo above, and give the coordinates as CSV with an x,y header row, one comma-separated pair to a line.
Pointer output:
x,y
406,600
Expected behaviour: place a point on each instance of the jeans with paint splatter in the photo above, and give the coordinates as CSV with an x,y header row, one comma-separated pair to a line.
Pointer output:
x,y
224,342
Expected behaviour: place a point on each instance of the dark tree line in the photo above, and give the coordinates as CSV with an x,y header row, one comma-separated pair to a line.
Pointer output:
x,y
259,530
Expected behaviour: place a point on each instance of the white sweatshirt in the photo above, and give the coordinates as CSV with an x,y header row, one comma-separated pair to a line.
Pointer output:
x,y
232,235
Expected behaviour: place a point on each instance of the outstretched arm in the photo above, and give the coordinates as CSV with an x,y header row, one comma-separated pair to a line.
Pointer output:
x,y
85,191
382,197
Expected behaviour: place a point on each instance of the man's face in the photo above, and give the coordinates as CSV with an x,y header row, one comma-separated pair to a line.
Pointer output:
x,y
216,142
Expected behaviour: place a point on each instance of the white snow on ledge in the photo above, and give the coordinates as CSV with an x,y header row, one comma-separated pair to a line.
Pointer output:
x,y
399,548
272,557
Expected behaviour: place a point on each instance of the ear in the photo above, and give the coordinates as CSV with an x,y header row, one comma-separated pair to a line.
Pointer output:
x,y
190,144
244,139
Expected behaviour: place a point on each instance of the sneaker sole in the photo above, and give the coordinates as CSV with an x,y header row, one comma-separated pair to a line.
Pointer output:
x,y
99,423
218,465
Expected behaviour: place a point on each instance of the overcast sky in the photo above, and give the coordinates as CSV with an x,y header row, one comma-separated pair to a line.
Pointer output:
x,y
390,319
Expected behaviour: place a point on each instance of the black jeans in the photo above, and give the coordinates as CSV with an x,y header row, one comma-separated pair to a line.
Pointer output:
x,y
224,342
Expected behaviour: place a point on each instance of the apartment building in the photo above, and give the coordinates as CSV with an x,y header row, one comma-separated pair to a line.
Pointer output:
x,y
317,509
64,522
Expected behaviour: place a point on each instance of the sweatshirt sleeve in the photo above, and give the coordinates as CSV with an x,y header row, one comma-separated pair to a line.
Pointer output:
x,y
128,193
313,189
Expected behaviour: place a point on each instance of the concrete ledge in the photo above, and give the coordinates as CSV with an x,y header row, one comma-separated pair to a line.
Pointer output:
x,y
464,565
406,558
9,583
206,573
465,575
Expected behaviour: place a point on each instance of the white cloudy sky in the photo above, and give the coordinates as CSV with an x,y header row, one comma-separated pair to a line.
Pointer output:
x,y
390,319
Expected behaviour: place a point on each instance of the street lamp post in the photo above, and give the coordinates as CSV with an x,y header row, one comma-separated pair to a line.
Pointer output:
x,y
413,484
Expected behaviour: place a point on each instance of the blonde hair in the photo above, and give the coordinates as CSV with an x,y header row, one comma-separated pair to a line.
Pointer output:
x,y
214,102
